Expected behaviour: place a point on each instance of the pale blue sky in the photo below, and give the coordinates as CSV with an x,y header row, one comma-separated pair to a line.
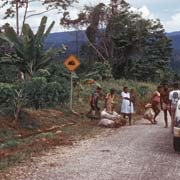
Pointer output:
x,y
168,11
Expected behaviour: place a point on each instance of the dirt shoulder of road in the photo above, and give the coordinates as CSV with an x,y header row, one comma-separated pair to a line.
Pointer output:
x,y
38,131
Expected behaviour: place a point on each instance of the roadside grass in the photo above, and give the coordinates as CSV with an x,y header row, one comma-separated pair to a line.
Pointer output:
x,y
10,144
6,133
15,149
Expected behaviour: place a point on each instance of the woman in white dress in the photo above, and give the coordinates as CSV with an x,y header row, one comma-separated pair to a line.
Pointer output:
x,y
127,107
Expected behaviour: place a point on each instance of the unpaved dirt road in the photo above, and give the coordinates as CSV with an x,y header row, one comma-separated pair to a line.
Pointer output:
x,y
139,152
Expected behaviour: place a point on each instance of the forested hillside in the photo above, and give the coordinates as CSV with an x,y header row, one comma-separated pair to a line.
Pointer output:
x,y
72,39
175,61
75,39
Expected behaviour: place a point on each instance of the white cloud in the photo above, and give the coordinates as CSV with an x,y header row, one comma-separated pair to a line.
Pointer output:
x,y
91,2
144,11
154,3
173,24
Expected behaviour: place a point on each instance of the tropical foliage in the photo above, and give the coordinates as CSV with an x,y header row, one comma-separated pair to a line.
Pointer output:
x,y
29,74
29,54
100,71
44,90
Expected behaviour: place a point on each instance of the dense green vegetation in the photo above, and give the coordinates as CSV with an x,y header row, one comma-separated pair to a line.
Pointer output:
x,y
29,75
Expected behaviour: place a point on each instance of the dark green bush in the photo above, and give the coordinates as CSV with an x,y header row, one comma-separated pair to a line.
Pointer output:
x,y
7,92
8,74
34,90
100,71
55,94
58,72
48,88
42,94
43,73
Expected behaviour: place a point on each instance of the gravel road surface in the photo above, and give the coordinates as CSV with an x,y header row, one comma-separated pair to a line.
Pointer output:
x,y
138,152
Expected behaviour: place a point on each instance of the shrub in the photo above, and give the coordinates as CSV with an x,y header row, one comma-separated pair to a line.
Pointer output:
x,y
55,94
8,74
43,73
58,72
100,71
7,92
42,94
34,90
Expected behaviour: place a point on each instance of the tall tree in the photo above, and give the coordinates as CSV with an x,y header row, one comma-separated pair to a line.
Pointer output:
x,y
142,49
91,18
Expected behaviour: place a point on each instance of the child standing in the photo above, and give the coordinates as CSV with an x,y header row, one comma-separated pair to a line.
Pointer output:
x,y
109,101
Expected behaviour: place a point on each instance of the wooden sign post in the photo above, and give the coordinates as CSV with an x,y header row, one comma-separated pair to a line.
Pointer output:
x,y
71,63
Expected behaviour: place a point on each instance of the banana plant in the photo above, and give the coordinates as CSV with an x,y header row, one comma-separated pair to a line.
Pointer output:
x,y
29,53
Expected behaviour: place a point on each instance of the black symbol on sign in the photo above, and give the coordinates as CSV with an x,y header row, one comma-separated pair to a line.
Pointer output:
x,y
71,63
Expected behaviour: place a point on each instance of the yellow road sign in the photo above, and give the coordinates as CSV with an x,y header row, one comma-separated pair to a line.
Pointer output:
x,y
72,63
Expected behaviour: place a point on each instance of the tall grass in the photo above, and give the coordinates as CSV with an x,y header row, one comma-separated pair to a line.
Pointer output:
x,y
143,93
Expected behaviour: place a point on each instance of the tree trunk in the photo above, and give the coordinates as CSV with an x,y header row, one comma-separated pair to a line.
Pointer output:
x,y
17,17
25,14
17,113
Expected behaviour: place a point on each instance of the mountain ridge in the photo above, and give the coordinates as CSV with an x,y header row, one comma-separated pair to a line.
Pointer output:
x,y
75,39
80,36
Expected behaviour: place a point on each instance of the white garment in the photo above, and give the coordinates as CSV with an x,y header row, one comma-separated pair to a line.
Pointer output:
x,y
113,116
174,96
106,123
126,106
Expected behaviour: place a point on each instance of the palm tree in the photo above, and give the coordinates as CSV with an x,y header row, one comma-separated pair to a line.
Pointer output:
x,y
29,54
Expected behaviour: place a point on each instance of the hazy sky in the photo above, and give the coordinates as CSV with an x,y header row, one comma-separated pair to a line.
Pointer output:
x,y
168,11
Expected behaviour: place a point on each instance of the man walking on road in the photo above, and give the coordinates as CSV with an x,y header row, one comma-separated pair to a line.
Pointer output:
x,y
174,96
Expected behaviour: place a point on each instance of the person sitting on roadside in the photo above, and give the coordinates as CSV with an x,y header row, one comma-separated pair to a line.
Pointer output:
x,y
149,113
